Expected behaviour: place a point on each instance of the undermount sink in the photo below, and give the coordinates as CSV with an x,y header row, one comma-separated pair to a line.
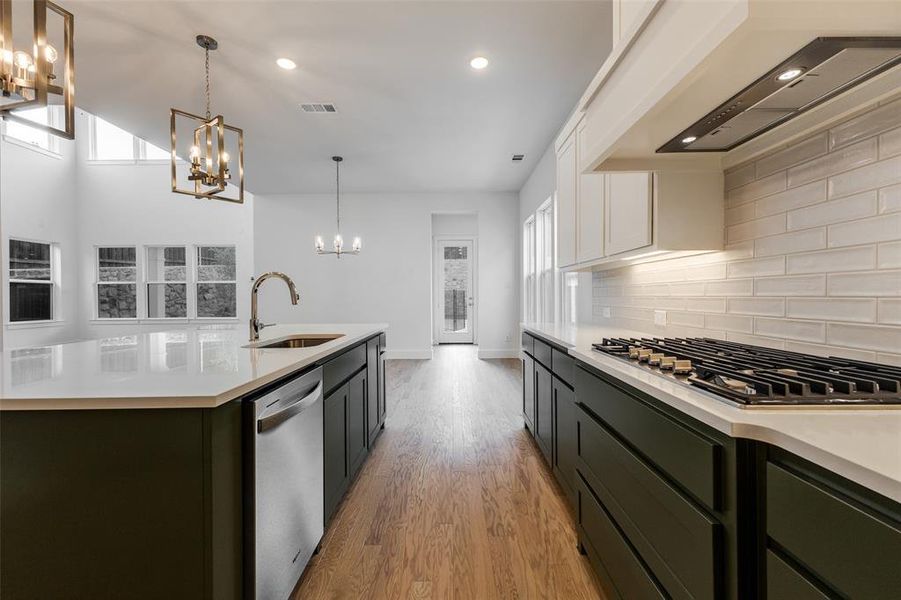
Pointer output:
x,y
301,341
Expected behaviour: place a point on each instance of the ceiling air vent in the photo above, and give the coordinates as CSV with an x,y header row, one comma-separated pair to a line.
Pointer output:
x,y
518,157
318,107
819,71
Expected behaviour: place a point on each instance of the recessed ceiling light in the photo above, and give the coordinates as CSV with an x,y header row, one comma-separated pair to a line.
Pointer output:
x,y
479,62
689,139
789,74
286,63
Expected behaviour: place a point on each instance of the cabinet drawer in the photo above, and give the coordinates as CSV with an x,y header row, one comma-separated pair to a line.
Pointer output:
x,y
528,343
782,581
845,546
676,539
339,369
605,545
542,353
562,365
692,460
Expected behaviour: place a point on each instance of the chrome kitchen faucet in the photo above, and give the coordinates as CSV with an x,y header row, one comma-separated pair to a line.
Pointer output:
x,y
255,324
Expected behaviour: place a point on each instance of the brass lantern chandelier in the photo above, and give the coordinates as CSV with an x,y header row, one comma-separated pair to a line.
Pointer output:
x,y
338,243
35,79
207,173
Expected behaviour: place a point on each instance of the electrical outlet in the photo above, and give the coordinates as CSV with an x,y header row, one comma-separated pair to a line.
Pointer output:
x,y
659,317
508,338
606,312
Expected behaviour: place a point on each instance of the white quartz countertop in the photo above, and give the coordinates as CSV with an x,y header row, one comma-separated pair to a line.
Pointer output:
x,y
860,444
187,368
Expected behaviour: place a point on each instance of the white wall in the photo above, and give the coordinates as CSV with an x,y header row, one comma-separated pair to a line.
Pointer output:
x,y
390,281
455,224
38,202
80,205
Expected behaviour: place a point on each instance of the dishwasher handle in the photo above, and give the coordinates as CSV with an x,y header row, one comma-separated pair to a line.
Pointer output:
x,y
277,418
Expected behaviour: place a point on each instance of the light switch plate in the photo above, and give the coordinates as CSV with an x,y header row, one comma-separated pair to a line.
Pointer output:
x,y
659,317
606,312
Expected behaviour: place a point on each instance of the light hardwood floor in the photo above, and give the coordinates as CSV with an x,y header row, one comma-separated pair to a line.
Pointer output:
x,y
455,500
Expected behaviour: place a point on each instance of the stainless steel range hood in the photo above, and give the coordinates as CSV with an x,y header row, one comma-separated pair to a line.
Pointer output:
x,y
818,72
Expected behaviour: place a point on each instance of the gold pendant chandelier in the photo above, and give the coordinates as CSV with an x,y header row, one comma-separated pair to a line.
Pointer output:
x,y
339,250
207,172
28,80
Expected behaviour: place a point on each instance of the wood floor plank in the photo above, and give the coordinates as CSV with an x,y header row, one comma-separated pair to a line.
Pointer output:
x,y
455,500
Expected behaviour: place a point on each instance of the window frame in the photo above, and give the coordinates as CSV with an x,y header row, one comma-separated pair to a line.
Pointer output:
x,y
52,149
54,281
197,281
528,269
139,300
138,152
146,282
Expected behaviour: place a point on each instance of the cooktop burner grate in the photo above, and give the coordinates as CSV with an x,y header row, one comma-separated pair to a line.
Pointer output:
x,y
755,375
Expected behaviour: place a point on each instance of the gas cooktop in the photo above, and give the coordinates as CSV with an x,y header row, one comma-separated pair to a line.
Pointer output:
x,y
755,376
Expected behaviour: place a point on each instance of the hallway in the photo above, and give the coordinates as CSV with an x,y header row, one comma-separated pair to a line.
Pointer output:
x,y
455,500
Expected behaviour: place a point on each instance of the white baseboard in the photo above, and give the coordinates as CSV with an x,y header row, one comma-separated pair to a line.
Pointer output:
x,y
499,353
425,354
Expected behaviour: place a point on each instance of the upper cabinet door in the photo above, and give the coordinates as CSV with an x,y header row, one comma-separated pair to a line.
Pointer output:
x,y
629,210
589,209
566,203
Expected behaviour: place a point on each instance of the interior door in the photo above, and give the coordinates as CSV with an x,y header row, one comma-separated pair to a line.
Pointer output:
x,y
455,292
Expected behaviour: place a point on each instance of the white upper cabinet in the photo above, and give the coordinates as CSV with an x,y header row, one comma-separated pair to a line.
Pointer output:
x,y
589,211
629,212
567,190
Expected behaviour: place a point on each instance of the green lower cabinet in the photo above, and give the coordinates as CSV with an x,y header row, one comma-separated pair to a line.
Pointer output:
x,y
528,391
783,581
357,437
544,420
565,438
335,449
846,540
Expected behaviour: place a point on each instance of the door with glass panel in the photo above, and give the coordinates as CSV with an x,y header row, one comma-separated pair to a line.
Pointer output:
x,y
454,291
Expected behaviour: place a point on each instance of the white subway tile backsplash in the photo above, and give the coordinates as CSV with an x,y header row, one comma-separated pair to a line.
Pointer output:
x,y
794,154
868,124
841,160
834,211
765,307
865,337
757,267
756,228
733,287
890,143
884,228
756,189
797,197
889,255
875,283
805,331
813,261
800,285
889,311
832,309
737,323
738,177
876,175
858,258
890,199
786,243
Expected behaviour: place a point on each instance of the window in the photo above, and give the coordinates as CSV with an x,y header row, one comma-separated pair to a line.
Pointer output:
x,y
109,143
31,281
545,264
569,295
216,282
528,269
48,115
117,283
167,282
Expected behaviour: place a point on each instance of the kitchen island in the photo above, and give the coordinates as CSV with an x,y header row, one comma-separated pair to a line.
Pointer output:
x,y
681,493
123,459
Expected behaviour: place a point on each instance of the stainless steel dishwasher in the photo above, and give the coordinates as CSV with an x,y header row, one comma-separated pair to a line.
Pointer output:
x,y
284,485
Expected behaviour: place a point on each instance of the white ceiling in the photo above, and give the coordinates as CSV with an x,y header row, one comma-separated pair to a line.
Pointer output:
x,y
413,115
